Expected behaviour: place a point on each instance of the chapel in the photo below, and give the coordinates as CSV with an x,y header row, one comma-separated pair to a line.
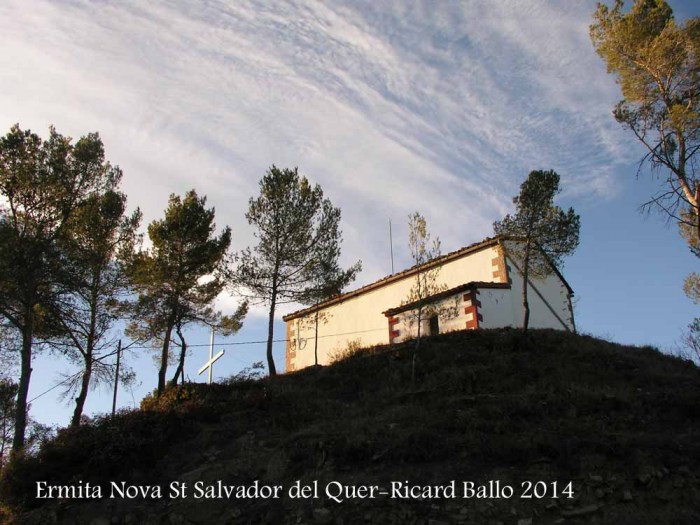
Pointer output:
x,y
479,286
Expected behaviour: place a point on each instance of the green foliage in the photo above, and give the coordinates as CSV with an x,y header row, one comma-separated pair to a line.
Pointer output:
x,y
42,184
102,450
174,396
688,230
538,220
353,348
691,341
37,433
9,350
248,374
8,392
426,283
326,279
299,237
547,233
565,408
170,277
657,64
691,287
100,238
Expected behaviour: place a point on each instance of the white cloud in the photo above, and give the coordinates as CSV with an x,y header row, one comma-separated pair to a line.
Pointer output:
x,y
391,107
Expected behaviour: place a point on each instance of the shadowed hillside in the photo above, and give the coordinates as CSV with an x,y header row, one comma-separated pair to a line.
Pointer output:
x,y
621,423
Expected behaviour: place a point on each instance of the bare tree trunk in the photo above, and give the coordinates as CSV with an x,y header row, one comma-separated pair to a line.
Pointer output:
x,y
164,360
697,211
84,387
316,339
87,357
4,442
420,322
416,347
23,387
116,378
526,305
181,363
270,333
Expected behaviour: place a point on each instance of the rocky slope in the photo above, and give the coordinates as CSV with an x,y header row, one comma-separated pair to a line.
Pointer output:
x,y
558,428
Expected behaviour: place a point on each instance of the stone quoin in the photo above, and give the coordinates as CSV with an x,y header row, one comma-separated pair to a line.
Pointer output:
x,y
480,287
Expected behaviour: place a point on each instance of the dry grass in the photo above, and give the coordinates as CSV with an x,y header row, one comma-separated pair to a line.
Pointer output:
x,y
485,404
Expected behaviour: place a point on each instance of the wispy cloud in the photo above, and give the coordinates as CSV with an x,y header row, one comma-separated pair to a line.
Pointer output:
x,y
390,106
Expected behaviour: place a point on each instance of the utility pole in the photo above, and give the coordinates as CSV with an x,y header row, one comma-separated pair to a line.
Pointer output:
x,y
116,378
391,247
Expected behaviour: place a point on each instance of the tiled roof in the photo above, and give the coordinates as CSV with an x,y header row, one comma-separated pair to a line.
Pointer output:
x,y
446,293
491,241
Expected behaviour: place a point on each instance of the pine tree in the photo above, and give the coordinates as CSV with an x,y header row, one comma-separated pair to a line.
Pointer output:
x,y
170,277
657,65
42,183
327,280
100,237
546,232
298,242
426,282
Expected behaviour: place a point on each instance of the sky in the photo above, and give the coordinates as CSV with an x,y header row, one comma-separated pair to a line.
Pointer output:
x,y
392,107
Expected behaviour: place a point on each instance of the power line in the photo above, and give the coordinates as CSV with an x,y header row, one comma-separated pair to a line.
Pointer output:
x,y
264,341
67,380
74,376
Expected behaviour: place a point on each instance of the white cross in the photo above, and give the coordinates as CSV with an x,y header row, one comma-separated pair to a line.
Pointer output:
x,y
212,358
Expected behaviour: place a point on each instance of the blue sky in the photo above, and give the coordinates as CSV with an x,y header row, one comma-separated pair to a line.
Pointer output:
x,y
442,107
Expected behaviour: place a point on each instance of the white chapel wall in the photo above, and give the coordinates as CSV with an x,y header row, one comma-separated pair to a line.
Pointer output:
x,y
360,318
542,314
451,317
497,308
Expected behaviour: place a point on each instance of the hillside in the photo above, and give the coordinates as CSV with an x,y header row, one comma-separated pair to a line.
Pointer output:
x,y
622,424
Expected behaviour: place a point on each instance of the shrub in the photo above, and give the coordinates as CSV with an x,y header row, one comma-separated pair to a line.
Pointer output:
x,y
174,396
107,448
354,348
249,374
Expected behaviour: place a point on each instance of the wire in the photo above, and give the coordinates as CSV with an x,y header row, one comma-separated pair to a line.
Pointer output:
x,y
66,380
131,347
263,341
75,376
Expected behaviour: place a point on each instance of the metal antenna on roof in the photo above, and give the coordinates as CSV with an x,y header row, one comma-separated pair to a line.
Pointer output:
x,y
391,247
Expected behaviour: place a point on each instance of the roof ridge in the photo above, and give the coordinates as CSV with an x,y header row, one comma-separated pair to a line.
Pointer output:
x,y
489,241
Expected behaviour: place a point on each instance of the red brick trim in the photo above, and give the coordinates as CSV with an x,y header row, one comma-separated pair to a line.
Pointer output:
x,y
290,353
500,268
473,308
447,293
393,333
439,261
571,311
552,266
